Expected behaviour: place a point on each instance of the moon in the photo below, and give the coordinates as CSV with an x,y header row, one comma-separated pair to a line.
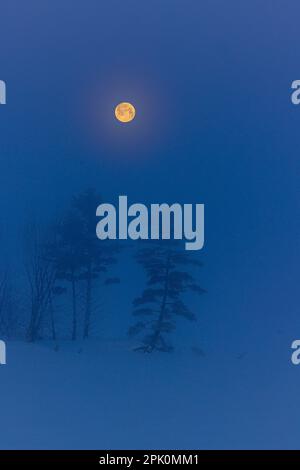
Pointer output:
x,y
125,112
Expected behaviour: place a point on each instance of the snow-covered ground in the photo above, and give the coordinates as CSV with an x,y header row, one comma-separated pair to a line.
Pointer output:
x,y
102,395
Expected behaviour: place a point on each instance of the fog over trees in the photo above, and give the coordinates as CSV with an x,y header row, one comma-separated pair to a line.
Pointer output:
x,y
67,272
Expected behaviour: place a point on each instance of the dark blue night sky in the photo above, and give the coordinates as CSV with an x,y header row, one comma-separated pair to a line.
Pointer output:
x,y
211,83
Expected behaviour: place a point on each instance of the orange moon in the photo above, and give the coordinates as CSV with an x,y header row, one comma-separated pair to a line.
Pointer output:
x,y
125,112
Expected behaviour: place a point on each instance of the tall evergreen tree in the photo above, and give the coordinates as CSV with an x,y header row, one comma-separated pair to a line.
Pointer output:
x,y
68,259
168,279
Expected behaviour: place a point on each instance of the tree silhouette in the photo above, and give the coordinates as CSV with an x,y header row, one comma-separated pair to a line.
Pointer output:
x,y
80,257
9,310
162,301
97,255
41,275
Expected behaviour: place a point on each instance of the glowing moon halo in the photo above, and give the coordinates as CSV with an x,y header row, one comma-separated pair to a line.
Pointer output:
x,y
125,112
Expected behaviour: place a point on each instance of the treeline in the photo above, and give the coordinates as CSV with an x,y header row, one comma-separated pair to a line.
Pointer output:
x,y
65,269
